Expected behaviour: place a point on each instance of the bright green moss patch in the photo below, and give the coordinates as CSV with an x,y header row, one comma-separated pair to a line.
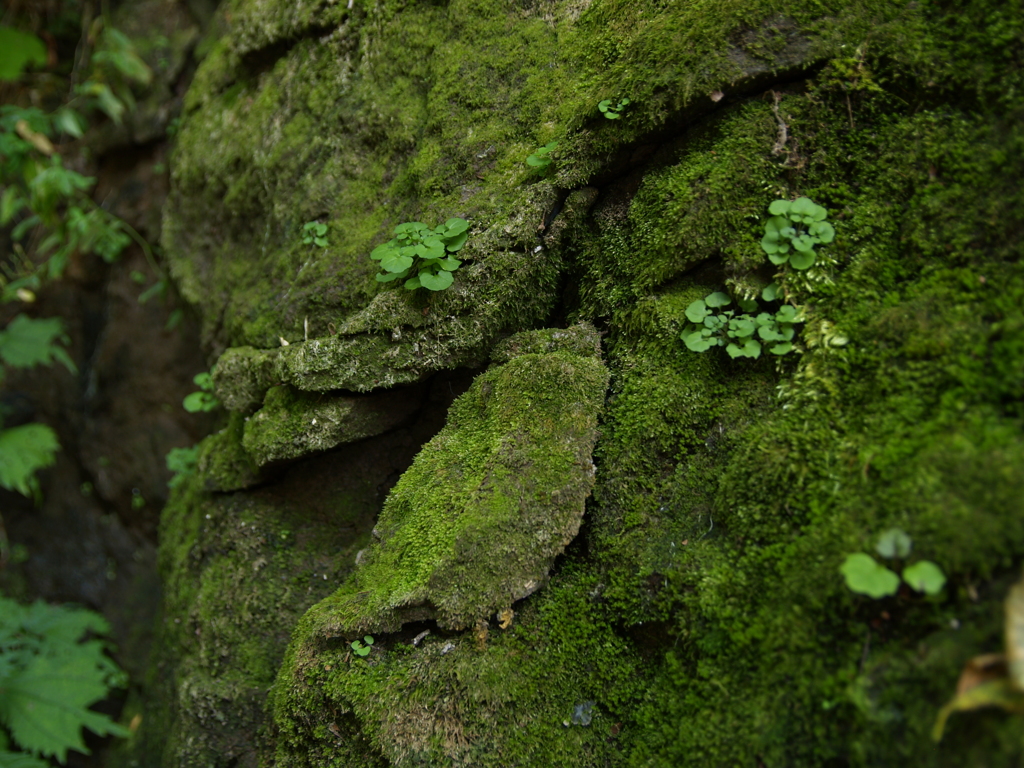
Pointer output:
x,y
497,697
475,524
292,424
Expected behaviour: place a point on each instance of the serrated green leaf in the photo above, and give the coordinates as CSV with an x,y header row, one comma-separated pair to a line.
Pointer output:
x,y
45,705
23,451
26,342
19,50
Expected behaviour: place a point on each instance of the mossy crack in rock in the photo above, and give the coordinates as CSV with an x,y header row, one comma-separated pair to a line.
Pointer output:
x,y
292,424
477,521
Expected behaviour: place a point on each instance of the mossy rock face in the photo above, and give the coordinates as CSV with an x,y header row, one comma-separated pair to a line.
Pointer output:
x,y
292,424
699,615
477,521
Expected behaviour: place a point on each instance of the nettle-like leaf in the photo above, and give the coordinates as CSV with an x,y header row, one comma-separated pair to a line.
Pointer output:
x,y
50,678
26,342
19,50
866,576
23,451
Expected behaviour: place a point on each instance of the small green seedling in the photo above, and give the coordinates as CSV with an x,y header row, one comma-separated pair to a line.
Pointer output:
x,y
422,256
742,335
795,228
612,111
362,648
204,400
540,159
866,576
314,233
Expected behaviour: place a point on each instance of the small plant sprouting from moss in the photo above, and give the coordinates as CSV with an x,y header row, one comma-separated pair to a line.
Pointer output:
x,y
540,160
612,110
204,400
422,256
363,647
314,233
866,576
795,228
742,335
182,462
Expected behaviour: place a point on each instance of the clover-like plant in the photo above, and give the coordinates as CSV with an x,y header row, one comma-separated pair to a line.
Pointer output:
x,y
314,233
362,648
866,576
204,400
795,228
742,335
422,256
611,110
540,160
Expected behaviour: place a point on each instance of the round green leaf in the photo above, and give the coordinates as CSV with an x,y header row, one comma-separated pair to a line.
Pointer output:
x,y
717,299
436,281
450,264
781,349
893,543
455,242
697,311
747,305
771,292
925,576
380,251
741,327
823,231
786,314
803,244
802,206
802,260
779,207
200,401
537,162
396,261
389,276
865,576
780,257
413,283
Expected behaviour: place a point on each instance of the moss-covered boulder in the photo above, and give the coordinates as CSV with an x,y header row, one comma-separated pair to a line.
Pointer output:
x,y
692,609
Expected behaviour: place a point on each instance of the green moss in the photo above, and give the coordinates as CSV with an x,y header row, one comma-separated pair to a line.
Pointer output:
x,y
292,424
476,522
503,697
701,608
